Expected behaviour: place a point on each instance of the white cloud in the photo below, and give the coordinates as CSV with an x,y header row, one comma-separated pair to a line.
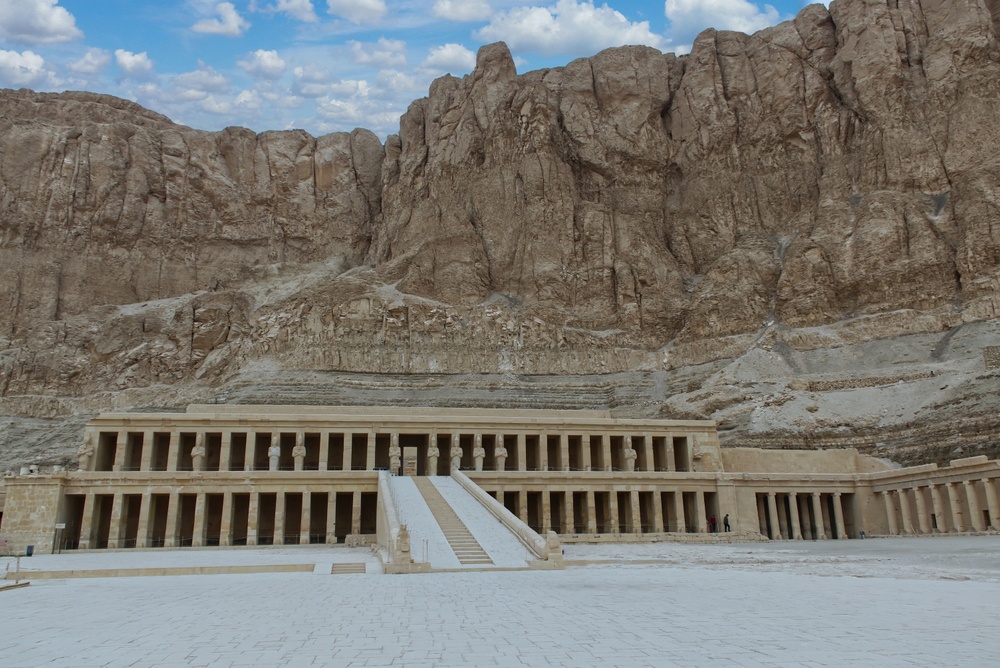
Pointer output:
x,y
263,64
310,82
302,10
201,82
384,53
462,10
690,16
248,99
451,58
133,65
36,22
358,11
22,69
229,23
569,27
92,62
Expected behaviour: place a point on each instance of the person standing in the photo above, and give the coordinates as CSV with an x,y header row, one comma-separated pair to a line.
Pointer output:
x,y
712,524
725,522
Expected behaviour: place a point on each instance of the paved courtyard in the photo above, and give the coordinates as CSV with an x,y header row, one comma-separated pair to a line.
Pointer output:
x,y
888,602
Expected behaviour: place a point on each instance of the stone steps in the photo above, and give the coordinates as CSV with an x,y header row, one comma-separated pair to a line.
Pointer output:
x,y
348,569
462,542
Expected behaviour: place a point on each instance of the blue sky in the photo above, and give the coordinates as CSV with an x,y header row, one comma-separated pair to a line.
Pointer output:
x,y
322,65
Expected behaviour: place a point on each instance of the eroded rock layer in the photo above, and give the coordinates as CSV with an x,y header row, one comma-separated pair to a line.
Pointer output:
x,y
698,225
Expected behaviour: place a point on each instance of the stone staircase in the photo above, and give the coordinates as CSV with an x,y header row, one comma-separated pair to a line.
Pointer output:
x,y
348,569
462,542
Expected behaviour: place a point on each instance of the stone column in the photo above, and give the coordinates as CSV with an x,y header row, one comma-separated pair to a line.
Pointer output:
x,y
198,540
657,512
145,508
87,523
145,462
173,503
306,520
226,452
395,454
613,511
279,518
522,453
433,453
324,450
679,511
818,513
838,516
500,453
647,444
299,451
348,450
115,532
992,503
370,461
585,444
772,514
546,513
564,451
606,452
636,513
173,450
802,500
922,519
957,523
671,461
793,507
522,506
700,511
904,510
569,517
356,514
331,518
975,516
591,513
543,451
890,512
939,519
121,445
478,451
226,523
253,517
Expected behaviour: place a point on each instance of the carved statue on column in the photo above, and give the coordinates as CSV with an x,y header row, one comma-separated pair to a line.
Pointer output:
x,y
299,451
433,453
630,454
274,453
456,454
500,453
395,454
198,452
478,452
86,451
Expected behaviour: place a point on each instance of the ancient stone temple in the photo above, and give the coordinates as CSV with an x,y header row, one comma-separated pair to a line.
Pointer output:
x,y
219,475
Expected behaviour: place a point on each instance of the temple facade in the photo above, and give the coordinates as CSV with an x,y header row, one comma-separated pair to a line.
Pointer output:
x,y
228,475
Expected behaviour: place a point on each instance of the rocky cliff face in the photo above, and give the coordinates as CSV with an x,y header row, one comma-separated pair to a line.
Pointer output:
x,y
818,185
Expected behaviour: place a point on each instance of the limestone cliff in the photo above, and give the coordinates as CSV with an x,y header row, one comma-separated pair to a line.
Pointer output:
x,y
728,230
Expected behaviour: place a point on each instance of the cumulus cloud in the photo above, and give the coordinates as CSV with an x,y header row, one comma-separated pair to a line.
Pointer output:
x,y
229,22
569,28
22,69
384,53
302,10
451,58
263,64
358,11
133,65
92,62
462,10
690,16
200,83
248,99
36,22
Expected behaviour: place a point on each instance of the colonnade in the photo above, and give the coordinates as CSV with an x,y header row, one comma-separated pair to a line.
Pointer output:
x,y
943,507
344,450
806,515
170,518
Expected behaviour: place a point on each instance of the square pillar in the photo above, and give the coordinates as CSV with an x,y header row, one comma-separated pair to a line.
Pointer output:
x,y
356,512
647,446
226,451
121,446
145,462
305,518
543,452
522,451
87,523
591,513
992,503
700,517
904,510
522,506
680,512
173,451
585,444
279,518
957,523
923,523
145,508
226,524
890,512
838,516
116,520
613,510
253,516
369,462
348,450
324,450
198,540
671,461
636,514
818,516
793,507
606,453
563,451
546,513
173,506
972,497
657,512
569,517
938,504
331,517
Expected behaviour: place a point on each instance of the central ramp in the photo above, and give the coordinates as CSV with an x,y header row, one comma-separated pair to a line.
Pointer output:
x,y
466,548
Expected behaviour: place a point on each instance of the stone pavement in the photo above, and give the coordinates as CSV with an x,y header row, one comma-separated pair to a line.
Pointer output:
x,y
596,616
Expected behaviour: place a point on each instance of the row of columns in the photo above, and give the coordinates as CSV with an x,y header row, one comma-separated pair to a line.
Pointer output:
x,y
628,457
951,507
172,536
796,522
